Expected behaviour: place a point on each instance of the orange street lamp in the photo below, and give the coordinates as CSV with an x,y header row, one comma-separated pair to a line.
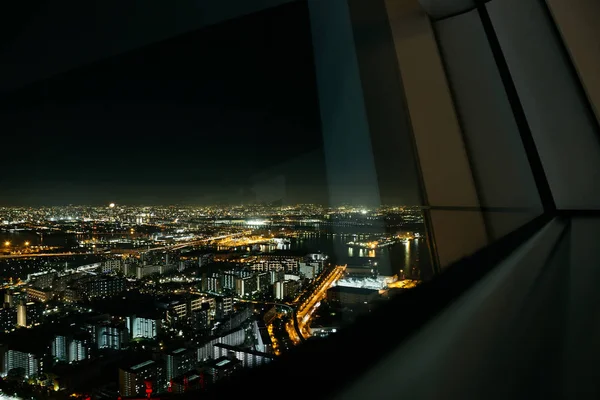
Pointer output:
x,y
26,243
7,243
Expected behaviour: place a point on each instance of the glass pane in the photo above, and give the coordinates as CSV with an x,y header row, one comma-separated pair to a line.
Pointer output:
x,y
202,205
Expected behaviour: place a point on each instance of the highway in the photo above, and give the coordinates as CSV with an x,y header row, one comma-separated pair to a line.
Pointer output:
x,y
309,306
4,256
298,327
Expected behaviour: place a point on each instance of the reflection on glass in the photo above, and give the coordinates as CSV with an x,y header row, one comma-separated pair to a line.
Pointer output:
x,y
167,256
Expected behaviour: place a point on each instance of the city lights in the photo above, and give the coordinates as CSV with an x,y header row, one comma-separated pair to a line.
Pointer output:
x,y
235,283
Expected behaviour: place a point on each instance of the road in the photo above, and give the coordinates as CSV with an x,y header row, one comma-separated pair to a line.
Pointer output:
x,y
309,306
298,327
276,346
292,326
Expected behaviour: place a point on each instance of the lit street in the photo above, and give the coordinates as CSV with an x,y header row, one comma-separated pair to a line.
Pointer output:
x,y
308,307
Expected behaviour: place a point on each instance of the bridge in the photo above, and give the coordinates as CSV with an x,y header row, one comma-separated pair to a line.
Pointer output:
x,y
167,247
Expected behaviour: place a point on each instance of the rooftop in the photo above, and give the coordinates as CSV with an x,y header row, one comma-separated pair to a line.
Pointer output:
x,y
142,365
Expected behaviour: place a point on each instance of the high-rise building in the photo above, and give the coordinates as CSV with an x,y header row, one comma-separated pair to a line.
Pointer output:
x,y
310,271
69,349
27,361
181,311
22,315
262,281
228,280
112,336
8,319
141,327
111,265
60,348
276,276
41,295
78,350
246,286
131,379
44,280
283,289
179,361
221,369
143,271
223,306
8,298
105,286
247,358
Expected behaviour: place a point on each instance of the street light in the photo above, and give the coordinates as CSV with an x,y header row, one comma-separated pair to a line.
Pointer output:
x,y
26,243
7,243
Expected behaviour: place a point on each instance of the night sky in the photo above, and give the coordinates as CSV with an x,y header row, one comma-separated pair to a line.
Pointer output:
x,y
227,113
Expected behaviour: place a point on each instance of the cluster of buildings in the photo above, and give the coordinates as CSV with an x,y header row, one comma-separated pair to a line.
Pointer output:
x,y
191,342
18,311
186,369
279,275
74,287
132,318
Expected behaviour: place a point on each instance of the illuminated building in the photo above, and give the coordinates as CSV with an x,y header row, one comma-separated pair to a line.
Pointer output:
x,y
221,368
200,319
8,319
143,271
43,280
234,320
179,361
262,281
247,358
42,295
181,311
59,348
22,315
308,270
8,298
276,276
71,295
246,286
105,287
140,327
111,265
131,379
69,349
283,289
235,338
78,350
212,283
228,280
264,343
276,263
111,336
27,361
223,306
